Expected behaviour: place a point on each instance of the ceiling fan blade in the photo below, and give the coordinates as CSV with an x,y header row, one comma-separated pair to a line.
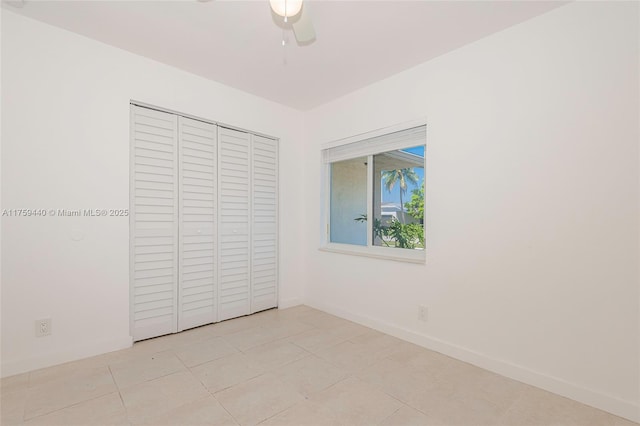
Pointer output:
x,y
303,26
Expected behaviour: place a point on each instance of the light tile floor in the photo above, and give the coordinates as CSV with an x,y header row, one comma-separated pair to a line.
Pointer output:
x,y
297,366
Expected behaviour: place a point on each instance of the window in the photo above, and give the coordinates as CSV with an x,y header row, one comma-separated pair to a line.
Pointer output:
x,y
374,195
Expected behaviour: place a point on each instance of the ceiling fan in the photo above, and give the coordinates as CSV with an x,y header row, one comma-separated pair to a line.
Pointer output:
x,y
296,14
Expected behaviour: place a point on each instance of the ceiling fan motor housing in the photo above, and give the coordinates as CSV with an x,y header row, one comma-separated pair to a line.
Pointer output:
x,y
286,8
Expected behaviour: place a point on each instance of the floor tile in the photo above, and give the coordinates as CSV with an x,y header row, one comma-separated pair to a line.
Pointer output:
x,y
377,341
258,399
619,421
310,374
102,411
226,372
411,386
199,333
282,328
75,387
175,340
354,402
202,412
237,324
14,383
159,397
453,411
274,355
407,416
145,367
321,319
250,338
321,338
171,341
264,316
12,406
62,371
294,312
361,351
205,351
471,395
303,414
538,407
481,388
422,358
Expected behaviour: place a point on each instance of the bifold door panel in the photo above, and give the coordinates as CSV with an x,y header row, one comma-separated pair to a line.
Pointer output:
x,y
203,229
154,223
197,236
233,224
264,224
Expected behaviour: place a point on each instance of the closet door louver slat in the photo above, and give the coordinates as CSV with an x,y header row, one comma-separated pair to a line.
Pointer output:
x,y
197,236
153,223
264,226
233,223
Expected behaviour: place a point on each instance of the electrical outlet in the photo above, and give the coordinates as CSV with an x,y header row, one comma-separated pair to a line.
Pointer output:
x,y
43,327
422,313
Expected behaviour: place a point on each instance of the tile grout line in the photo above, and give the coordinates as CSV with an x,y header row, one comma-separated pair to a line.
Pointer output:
x,y
126,410
71,406
223,407
389,416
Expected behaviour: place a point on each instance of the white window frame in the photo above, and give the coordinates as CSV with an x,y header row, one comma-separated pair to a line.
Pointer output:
x,y
369,144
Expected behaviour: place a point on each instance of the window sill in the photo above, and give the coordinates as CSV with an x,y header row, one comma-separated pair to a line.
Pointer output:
x,y
399,255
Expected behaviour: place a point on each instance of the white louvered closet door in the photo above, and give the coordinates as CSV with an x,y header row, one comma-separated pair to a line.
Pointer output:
x,y
264,225
233,223
153,223
197,241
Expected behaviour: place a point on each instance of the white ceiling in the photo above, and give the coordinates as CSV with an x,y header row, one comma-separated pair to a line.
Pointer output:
x,y
238,43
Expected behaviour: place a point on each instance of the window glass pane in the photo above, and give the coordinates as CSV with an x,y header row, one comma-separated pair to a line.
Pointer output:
x,y
349,202
398,198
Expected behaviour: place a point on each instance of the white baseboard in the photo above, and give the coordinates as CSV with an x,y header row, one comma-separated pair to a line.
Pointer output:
x,y
611,404
68,354
288,303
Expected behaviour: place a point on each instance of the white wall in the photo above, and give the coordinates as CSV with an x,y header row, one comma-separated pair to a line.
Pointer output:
x,y
65,143
532,205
